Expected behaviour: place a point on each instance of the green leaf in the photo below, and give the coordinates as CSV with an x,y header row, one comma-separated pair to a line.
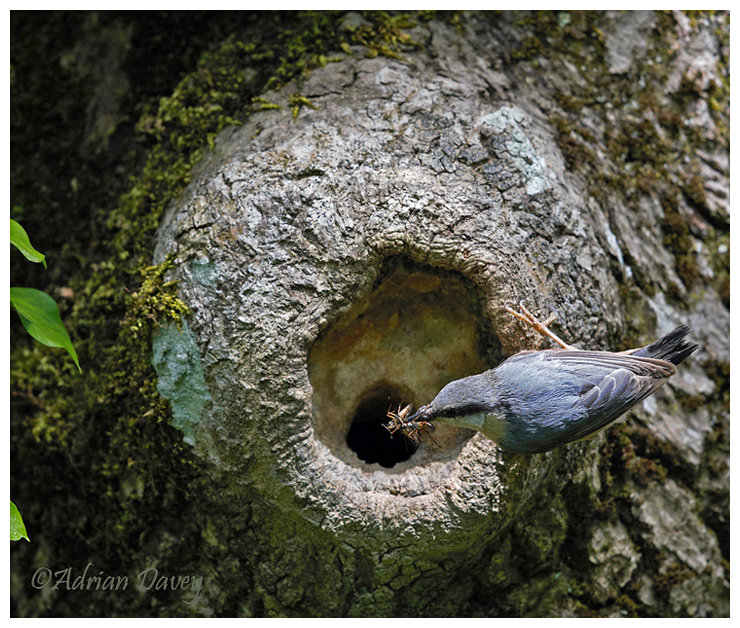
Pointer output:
x,y
40,316
19,238
17,527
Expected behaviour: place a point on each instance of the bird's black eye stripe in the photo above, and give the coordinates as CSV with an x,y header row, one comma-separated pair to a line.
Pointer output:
x,y
454,411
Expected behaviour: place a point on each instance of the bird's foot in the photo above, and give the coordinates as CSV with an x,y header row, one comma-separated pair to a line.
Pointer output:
x,y
539,326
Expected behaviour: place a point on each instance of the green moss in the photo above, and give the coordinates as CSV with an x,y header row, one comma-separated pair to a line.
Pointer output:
x,y
222,91
629,607
719,372
677,239
633,453
574,141
108,474
672,576
651,144
550,33
384,34
638,314
540,596
264,104
719,259
540,532
501,571
297,102
531,47
693,186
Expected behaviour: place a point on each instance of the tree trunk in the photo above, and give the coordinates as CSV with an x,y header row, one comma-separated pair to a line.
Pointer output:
x,y
353,251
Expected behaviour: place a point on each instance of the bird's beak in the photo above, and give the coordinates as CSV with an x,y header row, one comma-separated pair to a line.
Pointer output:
x,y
421,414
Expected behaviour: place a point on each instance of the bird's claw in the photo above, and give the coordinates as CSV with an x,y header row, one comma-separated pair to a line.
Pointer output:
x,y
539,326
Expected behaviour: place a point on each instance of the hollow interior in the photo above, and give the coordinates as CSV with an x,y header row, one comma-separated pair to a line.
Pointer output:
x,y
368,437
417,330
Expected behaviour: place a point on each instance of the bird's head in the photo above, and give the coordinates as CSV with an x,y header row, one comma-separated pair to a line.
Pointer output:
x,y
463,402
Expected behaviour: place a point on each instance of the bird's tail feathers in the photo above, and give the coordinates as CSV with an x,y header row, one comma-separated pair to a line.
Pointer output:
x,y
673,347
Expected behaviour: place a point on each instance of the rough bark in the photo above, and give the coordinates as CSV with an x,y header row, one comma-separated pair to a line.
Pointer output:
x,y
356,253
316,253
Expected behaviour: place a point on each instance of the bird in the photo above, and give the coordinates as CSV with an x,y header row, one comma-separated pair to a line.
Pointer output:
x,y
535,401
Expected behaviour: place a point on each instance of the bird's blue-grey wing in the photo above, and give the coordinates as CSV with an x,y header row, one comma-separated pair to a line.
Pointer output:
x,y
630,380
595,388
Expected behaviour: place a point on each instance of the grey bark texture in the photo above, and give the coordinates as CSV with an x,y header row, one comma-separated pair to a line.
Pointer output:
x,y
369,245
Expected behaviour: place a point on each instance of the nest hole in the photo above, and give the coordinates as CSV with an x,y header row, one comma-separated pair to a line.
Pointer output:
x,y
418,329
367,435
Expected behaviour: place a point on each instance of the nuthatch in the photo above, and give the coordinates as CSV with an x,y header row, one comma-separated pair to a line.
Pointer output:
x,y
537,400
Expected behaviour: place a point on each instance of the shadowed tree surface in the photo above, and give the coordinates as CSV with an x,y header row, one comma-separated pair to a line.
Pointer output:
x,y
346,202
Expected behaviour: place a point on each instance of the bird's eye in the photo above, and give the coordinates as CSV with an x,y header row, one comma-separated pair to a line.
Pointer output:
x,y
461,410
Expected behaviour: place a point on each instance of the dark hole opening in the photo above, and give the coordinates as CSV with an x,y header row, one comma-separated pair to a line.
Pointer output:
x,y
369,439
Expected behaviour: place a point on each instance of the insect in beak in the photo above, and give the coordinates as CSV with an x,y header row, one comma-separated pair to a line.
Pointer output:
x,y
410,426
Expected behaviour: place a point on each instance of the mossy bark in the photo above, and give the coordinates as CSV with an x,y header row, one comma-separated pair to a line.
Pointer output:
x,y
578,160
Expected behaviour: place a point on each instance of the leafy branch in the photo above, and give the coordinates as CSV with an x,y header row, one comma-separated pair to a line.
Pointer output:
x,y
39,314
